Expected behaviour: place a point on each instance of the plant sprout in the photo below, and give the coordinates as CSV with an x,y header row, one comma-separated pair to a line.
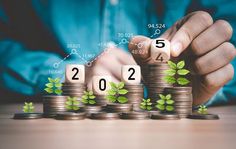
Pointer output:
x,y
176,74
28,107
202,109
146,104
53,86
88,98
117,92
165,104
72,104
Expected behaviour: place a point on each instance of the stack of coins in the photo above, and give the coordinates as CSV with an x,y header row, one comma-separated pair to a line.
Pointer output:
x,y
183,100
135,115
135,95
73,89
70,116
26,116
154,79
118,108
53,104
104,116
92,109
101,100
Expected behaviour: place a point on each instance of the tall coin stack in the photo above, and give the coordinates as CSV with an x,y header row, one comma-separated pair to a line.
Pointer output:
x,y
153,76
53,104
183,100
73,89
135,95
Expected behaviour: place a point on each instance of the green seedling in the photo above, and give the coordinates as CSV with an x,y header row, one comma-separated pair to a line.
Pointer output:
x,y
88,98
53,86
72,104
165,103
146,104
176,74
117,92
202,109
28,107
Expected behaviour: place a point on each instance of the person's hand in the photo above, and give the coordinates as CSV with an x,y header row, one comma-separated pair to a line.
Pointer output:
x,y
109,63
205,47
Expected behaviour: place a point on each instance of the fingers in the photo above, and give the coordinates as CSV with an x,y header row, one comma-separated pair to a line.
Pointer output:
x,y
215,59
211,83
139,46
189,28
218,33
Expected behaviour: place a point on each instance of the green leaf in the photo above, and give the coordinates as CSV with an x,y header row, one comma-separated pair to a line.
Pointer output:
x,y
90,93
92,102
170,72
161,102
58,91
168,97
180,64
122,99
169,108
76,103
57,80
68,102
170,79
149,104
75,108
183,72
111,92
143,103
172,65
49,85
121,85
92,97
84,97
162,96
111,98
50,80
143,107
148,100
149,108
49,90
68,107
123,91
58,85
169,102
160,107
85,101
183,81
113,85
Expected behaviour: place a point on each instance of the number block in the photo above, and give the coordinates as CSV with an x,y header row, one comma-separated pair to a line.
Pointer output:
x,y
101,84
131,74
75,73
160,50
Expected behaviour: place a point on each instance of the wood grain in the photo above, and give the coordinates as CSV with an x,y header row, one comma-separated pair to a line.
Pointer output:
x,y
117,134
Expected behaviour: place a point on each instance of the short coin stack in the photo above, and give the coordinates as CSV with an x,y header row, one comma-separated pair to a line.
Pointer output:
x,y
73,89
153,76
183,100
53,104
118,108
135,95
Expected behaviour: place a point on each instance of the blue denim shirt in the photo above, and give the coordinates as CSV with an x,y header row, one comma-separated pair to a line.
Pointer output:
x,y
84,25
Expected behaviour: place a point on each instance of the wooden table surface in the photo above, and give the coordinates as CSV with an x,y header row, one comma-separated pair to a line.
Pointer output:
x,y
117,134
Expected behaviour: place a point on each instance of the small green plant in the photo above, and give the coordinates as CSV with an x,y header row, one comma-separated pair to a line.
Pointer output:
x,y
117,92
165,103
53,86
202,109
28,107
146,104
88,98
72,104
176,74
